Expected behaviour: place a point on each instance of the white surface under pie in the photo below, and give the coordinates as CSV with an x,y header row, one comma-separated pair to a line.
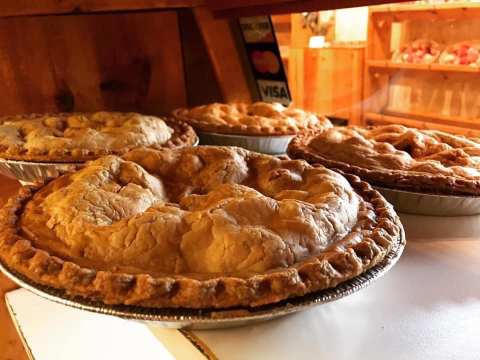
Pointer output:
x,y
427,307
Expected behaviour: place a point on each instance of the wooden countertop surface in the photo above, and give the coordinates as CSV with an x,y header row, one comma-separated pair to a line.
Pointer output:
x,y
11,347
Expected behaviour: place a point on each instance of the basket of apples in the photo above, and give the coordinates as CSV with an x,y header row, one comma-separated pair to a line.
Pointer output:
x,y
464,53
420,51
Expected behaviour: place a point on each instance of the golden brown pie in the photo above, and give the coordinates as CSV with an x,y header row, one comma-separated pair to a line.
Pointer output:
x,y
196,228
259,118
397,157
77,137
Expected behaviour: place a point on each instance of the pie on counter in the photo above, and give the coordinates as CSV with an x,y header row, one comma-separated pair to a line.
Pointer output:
x,y
77,137
259,119
397,157
204,227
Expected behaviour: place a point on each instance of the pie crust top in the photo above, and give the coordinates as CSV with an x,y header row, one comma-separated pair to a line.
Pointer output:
x,y
197,228
72,137
396,156
259,118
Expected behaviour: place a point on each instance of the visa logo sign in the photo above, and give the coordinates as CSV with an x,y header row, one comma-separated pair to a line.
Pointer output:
x,y
274,91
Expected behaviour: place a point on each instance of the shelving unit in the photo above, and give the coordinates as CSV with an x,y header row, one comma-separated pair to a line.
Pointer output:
x,y
432,96
387,65
384,119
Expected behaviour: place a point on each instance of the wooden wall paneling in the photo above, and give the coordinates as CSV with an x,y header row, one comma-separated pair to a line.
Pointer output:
x,y
128,62
300,34
338,85
316,83
296,76
375,92
337,94
282,25
328,81
201,84
358,79
149,76
225,56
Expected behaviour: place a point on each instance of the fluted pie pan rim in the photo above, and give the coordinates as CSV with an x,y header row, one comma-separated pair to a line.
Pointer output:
x,y
217,318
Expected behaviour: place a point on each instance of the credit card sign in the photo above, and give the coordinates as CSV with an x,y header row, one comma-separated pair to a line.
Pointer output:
x,y
264,59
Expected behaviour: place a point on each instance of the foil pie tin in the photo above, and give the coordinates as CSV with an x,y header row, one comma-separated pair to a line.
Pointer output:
x,y
28,172
431,204
215,318
273,145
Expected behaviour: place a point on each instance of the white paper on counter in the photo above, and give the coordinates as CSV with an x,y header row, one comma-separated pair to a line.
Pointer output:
x,y
57,332
426,307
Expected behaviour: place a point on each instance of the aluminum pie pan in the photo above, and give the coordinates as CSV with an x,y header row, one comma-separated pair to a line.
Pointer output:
x,y
215,318
29,172
273,145
430,204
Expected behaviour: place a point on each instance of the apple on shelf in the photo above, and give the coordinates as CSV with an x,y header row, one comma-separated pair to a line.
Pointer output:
x,y
421,51
464,53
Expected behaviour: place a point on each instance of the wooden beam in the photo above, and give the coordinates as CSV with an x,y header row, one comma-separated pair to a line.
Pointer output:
x,y
225,56
10,8
265,7
200,80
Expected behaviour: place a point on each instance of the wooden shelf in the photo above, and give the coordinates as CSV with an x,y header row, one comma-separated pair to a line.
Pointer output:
x,y
439,85
399,12
436,118
387,65
382,119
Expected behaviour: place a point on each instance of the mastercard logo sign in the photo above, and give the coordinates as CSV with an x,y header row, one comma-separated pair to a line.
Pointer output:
x,y
265,62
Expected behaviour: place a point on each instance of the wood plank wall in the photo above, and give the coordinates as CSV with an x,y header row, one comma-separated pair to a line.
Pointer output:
x,y
150,62
89,62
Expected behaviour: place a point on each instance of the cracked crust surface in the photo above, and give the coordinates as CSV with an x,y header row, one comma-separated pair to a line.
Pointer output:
x,y
259,118
78,137
397,157
196,228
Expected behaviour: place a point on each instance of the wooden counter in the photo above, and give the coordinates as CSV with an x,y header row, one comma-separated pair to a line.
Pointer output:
x,y
11,347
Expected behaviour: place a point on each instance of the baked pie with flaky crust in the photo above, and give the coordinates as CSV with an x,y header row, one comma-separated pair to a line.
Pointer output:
x,y
196,228
397,157
259,118
77,137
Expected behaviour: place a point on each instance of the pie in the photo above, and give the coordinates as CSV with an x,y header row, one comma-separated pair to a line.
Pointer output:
x,y
77,137
259,118
196,227
397,157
